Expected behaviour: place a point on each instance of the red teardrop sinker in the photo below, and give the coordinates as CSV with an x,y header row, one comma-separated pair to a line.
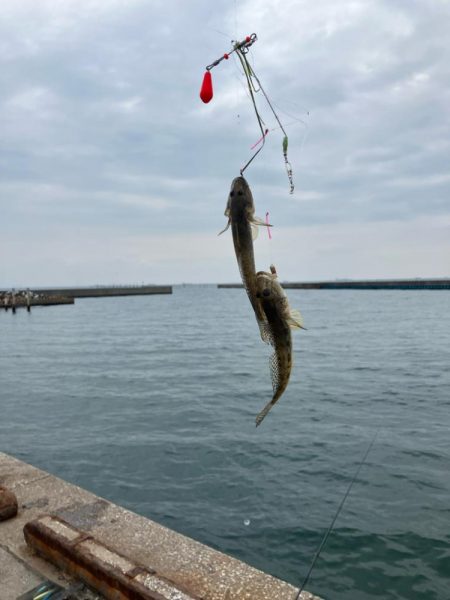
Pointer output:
x,y
206,91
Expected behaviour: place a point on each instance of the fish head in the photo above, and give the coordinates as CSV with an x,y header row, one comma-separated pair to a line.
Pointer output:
x,y
268,287
265,287
240,197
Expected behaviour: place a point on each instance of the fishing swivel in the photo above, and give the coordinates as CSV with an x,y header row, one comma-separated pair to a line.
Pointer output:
x,y
206,91
241,46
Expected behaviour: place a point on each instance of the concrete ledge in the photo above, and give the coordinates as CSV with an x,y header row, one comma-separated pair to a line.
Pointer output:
x,y
105,570
194,568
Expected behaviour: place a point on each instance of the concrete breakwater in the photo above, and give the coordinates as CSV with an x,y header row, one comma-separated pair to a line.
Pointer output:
x,y
49,296
49,300
102,291
73,535
27,299
365,284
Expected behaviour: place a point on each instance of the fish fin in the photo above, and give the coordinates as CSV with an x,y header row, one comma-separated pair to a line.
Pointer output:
x,y
255,231
266,333
223,230
263,413
258,221
295,319
274,373
277,392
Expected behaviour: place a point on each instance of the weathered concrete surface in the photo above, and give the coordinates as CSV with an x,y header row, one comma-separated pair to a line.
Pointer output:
x,y
16,578
190,565
8,504
102,568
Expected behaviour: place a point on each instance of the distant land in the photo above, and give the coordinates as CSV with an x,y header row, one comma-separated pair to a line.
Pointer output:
x,y
362,284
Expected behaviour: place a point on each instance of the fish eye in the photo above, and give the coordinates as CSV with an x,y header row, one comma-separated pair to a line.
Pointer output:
x,y
231,193
266,292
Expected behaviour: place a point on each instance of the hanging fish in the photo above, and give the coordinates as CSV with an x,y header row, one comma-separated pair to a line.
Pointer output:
x,y
279,320
240,211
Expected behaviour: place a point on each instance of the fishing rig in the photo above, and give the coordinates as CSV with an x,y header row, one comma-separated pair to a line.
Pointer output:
x,y
254,86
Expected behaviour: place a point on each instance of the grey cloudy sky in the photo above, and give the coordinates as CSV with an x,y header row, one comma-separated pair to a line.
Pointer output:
x,y
113,170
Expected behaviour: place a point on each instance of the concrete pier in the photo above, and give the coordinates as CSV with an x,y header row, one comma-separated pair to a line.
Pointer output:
x,y
41,301
102,291
367,284
156,563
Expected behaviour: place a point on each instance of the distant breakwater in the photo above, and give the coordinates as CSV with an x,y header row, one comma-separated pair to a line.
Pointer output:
x,y
101,291
369,284
20,300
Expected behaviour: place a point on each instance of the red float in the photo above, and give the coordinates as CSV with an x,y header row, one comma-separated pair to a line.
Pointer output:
x,y
206,91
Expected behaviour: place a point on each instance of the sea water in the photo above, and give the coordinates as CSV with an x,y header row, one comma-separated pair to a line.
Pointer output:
x,y
150,402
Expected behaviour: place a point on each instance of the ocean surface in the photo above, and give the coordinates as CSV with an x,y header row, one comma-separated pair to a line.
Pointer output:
x,y
150,402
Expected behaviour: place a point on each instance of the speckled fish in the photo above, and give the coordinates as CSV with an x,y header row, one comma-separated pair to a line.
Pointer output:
x,y
240,211
280,319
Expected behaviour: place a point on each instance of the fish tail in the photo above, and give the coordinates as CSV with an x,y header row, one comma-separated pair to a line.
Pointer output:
x,y
277,395
263,413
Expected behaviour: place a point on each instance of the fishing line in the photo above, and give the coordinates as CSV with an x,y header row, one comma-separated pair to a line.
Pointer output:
x,y
295,120
220,32
340,507
285,139
252,90
303,110
269,243
267,223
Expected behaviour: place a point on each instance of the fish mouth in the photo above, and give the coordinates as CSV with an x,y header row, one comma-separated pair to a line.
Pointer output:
x,y
239,180
239,187
263,284
263,294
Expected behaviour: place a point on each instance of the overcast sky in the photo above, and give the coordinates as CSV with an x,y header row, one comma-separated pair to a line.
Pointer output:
x,y
113,170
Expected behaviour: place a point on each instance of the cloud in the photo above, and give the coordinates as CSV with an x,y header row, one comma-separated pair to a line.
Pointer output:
x,y
92,255
103,130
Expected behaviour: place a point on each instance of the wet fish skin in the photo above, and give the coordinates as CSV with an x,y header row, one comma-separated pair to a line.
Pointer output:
x,y
280,320
240,211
